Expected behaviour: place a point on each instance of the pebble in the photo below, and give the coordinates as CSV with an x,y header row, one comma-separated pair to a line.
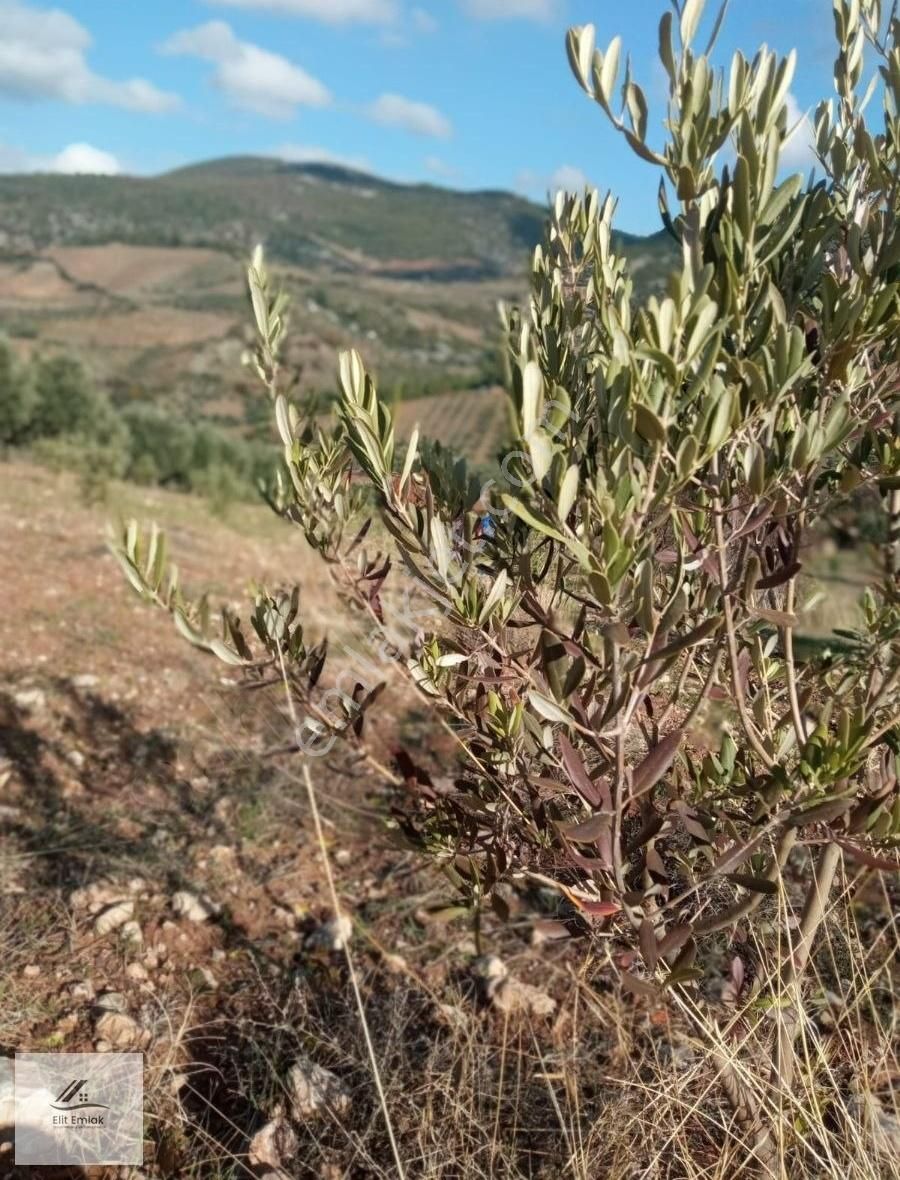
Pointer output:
x,y
113,917
118,1030
313,1089
190,906
31,699
111,1002
333,935
132,934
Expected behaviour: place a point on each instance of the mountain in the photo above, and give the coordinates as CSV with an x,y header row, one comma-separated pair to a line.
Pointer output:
x,y
143,277
308,214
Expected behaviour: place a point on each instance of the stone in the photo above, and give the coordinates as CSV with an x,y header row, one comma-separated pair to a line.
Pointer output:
x,y
513,996
111,1002
491,970
136,972
508,994
113,917
118,1030
30,699
86,680
96,896
132,934
82,989
333,935
273,1144
189,905
313,1089
32,971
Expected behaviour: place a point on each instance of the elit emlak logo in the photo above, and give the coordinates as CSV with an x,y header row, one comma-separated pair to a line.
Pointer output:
x,y
74,1099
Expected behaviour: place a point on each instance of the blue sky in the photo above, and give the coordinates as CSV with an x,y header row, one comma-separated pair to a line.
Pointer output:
x,y
470,93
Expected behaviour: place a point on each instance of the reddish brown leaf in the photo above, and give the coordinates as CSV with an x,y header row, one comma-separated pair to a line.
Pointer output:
x,y
674,940
645,776
577,772
649,945
883,864
639,987
779,577
587,831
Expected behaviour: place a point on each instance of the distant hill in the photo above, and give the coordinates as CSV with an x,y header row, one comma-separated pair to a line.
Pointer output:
x,y
307,214
143,278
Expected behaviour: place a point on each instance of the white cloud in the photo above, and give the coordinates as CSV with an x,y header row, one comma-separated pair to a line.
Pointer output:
x,y
300,153
333,12
251,77
83,159
77,159
42,56
569,178
511,9
799,152
566,177
423,21
393,110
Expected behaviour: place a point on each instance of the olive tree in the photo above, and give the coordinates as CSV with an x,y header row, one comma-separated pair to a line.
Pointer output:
x,y
613,634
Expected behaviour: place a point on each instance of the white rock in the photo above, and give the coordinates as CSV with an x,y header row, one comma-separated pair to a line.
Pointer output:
x,y
509,994
32,971
86,680
313,1089
137,972
31,699
333,935
273,1144
113,917
190,906
492,970
132,934
82,989
77,759
118,1030
96,896
111,1002
513,996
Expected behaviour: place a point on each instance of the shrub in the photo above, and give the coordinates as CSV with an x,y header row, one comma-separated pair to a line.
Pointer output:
x,y
162,439
612,643
16,398
67,402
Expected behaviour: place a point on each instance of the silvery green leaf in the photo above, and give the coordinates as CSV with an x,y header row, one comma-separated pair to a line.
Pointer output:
x,y
452,659
541,451
610,69
580,47
541,524
411,452
690,19
225,654
548,709
567,492
532,397
495,596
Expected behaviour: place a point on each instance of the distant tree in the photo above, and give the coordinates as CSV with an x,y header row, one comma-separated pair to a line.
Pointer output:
x,y
17,398
163,440
67,401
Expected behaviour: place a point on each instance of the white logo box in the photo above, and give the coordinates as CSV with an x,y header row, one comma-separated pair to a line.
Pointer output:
x,y
79,1108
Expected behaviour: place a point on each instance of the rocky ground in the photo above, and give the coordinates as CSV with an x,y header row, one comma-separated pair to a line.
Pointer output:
x,y
162,890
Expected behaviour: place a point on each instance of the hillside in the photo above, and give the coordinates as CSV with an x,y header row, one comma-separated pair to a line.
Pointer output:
x,y
143,277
